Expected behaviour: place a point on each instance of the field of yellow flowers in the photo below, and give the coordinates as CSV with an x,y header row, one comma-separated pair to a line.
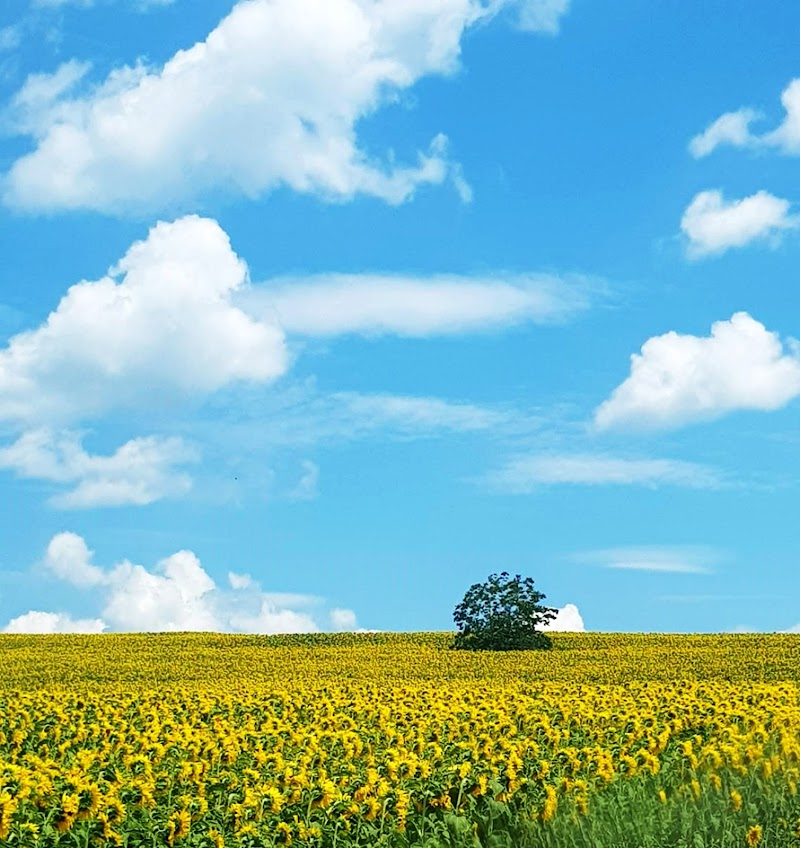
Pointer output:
x,y
205,740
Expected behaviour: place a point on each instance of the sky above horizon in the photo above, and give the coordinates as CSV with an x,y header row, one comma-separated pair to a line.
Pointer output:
x,y
313,313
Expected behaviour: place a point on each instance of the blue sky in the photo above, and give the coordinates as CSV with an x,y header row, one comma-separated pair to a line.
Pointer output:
x,y
315,313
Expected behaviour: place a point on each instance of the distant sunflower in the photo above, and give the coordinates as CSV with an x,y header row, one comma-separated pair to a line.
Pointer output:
x,y
754,833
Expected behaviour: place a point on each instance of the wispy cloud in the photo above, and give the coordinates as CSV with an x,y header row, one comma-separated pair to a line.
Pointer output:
x,y
714,598
541,15
527,473
137,5
376,304
687,559
301,415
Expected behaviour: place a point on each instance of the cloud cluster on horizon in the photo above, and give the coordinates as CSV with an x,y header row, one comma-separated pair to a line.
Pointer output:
x,y
568,620
178,594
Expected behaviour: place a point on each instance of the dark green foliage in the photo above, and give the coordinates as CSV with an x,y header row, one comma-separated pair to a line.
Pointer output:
x,y
502,614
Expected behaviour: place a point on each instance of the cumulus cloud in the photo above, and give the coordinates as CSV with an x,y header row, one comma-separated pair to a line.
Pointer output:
x,y
713,225
174,597
343,620
240,581
373,304
160,326
244,111
734,128
52,622
140,472
68,557
568,620
667,559
527,473
177,317
677,379
178,594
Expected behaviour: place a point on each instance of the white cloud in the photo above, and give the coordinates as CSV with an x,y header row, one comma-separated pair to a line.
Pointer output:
x,y
677,379
787,136
307,487
51,622
731,128
140,472
568,619
269,619
343,620
374,304
409,414
37,101
734,128
524,474
667,560
158,328
240,581
69,558
302,416
746,628
713,225
177,318
178,594
176,597
245,111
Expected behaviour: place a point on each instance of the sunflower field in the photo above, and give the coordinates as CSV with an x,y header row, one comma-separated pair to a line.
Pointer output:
x,y
205,740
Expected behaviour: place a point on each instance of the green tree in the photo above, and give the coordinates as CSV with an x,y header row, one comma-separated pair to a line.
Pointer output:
x,y
502,614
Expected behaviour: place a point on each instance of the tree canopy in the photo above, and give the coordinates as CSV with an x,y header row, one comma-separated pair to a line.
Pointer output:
x,y
502,614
